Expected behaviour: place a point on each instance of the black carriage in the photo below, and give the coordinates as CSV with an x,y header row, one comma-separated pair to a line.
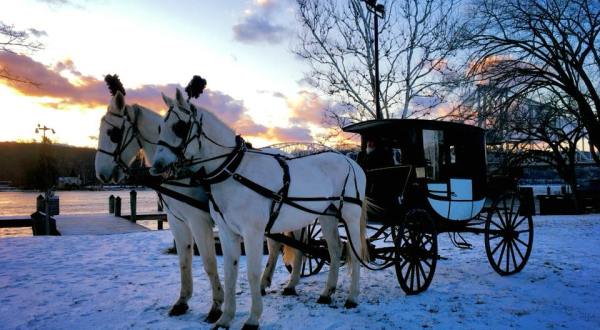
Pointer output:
x,y
425,178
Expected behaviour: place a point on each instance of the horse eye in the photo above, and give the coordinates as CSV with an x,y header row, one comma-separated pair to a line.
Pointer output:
x,y
180,128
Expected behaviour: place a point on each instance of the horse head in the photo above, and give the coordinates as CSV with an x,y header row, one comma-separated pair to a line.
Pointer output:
x,y
177,132
117,143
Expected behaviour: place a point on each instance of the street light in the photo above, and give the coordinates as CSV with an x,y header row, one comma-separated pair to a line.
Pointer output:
x,y
379,12
43,129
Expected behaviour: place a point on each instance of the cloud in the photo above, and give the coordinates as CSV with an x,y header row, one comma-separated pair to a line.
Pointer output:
x,y
259,24
88,92
307,108
50,83
61,3
38,33
290,134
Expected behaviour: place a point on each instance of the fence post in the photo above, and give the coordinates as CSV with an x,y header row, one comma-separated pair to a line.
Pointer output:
x,y
118,206
111,204
133,204
40,205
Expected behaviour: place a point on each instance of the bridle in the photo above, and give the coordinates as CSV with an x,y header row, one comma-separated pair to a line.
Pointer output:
x,y
123,137
184,131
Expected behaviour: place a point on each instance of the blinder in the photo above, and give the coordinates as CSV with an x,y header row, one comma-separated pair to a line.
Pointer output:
x,y
181,129
115,134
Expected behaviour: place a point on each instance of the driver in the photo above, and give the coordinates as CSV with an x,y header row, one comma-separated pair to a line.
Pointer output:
x,y
375,155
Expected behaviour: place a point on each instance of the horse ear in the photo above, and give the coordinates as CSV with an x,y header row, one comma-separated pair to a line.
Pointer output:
x,y
168,101
180,99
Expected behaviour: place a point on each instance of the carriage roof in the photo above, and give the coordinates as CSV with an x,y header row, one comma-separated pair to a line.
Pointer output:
x,y
390,127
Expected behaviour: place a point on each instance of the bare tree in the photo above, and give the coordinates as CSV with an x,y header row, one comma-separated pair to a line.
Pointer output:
x,y
417,38
541,48
17,41
522,131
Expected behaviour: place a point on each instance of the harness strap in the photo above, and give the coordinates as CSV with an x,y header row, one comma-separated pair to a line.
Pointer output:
x,y
223,172
291,201
199,204
276,204
215,206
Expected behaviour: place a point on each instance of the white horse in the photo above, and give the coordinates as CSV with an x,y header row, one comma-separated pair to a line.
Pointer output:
x,y
242,210
125,130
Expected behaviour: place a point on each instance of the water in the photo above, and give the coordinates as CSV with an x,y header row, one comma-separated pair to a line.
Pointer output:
x,y
22,204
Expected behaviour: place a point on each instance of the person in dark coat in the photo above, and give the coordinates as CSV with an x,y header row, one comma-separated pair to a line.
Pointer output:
x,y
375,156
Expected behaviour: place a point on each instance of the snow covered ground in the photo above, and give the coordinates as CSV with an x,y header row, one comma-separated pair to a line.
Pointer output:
x,y
127,281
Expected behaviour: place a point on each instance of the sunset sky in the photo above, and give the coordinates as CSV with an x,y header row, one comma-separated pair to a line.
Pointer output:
x,y
242,48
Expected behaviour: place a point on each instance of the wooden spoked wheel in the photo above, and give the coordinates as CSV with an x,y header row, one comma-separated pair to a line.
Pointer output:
x,y
311,265
416,248
508,235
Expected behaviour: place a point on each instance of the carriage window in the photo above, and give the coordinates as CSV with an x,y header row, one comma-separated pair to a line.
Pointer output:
x,y
397,153
432,140
452,155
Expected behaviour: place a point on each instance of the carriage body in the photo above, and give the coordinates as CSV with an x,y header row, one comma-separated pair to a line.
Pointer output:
x,y
436,166
425,177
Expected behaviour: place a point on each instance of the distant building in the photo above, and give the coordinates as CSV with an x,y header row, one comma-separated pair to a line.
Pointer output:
x,y
6,186
68,182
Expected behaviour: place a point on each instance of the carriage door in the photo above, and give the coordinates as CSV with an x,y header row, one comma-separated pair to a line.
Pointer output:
x,y
450,197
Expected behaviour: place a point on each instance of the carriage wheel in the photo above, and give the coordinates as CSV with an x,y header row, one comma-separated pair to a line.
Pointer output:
x,y
311,265
416,246
508,235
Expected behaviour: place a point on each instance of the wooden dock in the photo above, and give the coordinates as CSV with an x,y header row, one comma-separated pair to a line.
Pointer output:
x,y
95,224
89,224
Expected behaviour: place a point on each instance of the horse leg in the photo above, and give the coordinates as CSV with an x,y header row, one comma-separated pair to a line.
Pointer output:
x,y
352,213
184,244
296,262
274,248
253,244
330,233
230,243
203,235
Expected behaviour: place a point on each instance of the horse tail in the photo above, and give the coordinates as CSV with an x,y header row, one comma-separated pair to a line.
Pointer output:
x,y
363,231
288,255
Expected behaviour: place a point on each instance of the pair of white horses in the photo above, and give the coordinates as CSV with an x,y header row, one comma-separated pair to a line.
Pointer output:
x,y
239,212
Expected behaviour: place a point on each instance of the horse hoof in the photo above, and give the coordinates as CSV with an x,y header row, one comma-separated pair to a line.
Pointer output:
x,y
263,292
216,327
178,309
289,292
350,304
324,300
250,327
213,316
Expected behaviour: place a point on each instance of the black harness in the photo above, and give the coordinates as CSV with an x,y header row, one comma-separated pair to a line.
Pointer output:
x,y
232,161
122,137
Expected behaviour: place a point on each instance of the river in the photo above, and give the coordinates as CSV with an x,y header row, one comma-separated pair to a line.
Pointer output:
x,y
73,202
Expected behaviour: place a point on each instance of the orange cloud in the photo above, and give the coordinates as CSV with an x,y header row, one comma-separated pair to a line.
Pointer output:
x,y
307,107
89,92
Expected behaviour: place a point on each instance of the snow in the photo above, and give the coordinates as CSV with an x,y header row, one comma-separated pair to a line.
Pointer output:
x,y
127,281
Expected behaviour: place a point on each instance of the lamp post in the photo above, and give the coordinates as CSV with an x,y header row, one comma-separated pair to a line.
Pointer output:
x,y
48,193
43,129
378,11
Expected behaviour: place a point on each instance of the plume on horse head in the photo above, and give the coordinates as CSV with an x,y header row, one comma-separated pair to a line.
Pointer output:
x,y
114,84
195,87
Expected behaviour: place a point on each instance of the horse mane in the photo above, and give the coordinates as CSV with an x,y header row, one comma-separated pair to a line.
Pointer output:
x,y
149,112
214,117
